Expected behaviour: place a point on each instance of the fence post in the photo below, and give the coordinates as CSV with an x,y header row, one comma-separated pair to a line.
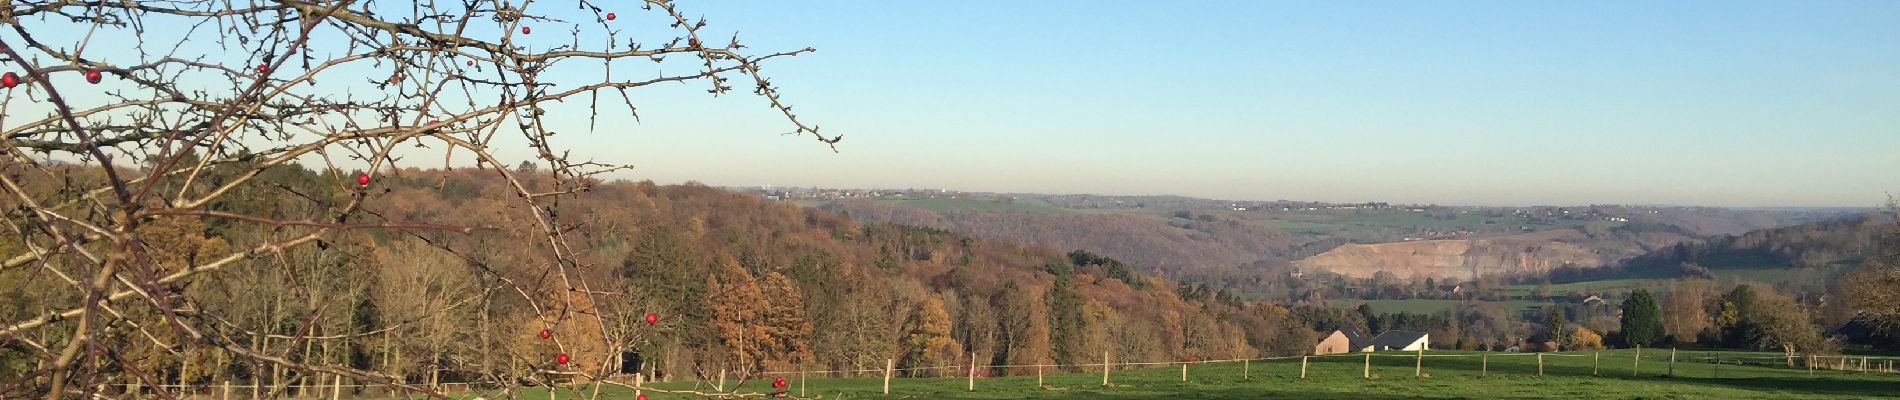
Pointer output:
x,y
1863,363
1368,371
722,380
1418,369
336,387
1540,364
1303,367
1104,367
1718,367
1184,372
1039,375
1245,366
1810,362
1672,362
639,381
801,381
1596,362
1636,366
888,365
972,371
1484,364
227,390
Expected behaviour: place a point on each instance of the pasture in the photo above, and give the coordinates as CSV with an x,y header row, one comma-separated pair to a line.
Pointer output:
x,y
1446,375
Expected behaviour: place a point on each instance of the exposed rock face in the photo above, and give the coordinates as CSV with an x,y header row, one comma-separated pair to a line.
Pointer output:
x,y
1469,258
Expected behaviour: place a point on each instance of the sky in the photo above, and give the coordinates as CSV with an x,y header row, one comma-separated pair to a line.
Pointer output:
x,y
1486,103
1735,103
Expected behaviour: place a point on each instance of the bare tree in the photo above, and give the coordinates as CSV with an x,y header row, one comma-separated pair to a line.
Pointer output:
x,y
119,115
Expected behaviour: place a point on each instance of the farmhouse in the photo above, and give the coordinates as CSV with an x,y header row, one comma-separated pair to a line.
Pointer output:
x,y
1402,340
1342,341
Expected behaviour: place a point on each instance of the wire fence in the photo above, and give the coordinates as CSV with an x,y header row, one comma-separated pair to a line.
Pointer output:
x,y
1632,362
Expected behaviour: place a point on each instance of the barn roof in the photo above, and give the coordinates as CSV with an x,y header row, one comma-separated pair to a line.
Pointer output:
x,y
1356,340
1397,338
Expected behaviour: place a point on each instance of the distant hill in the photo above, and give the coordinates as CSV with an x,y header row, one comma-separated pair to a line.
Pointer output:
x,y
1839,242
1205,247
1522,254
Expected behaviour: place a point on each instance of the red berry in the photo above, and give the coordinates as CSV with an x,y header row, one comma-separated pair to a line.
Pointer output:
x,y
526,30
653,319
642,396
10,80
610,16
561,359
362,179
93,76
471,63
263,68
546,334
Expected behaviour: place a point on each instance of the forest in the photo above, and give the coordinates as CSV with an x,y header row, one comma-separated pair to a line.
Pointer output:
x,y
738,284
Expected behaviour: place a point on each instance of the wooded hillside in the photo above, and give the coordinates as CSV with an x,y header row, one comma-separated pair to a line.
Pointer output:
x,y
738,283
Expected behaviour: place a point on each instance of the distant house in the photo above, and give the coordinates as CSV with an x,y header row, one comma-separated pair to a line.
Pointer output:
x,y
1342,341
1402,340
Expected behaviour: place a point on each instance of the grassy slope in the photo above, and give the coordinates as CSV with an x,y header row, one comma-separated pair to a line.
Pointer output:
x,y
1429,306
1567,375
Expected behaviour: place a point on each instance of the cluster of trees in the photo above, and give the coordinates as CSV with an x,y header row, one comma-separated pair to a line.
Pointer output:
x,y
740,284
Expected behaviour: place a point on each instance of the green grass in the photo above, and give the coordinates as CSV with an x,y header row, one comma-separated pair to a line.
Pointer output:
x,y
1467,375
1429,306
946,204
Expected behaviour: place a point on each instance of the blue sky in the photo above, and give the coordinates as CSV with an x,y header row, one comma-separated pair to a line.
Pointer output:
x,y
1717,103
1470,102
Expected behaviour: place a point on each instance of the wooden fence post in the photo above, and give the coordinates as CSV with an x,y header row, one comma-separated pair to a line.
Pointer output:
x,y
336,387
1039,375
722,379
1540,364
1810,362
1596,362
1636,366
972,371
1245,366
888,365
639,381
1484,364
227,390
1672,362
801,381
1418,369
1368,371
1184,372
1104,367
1303,367
1718,367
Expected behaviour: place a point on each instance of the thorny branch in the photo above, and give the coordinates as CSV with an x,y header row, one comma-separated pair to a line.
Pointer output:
x,y
107,141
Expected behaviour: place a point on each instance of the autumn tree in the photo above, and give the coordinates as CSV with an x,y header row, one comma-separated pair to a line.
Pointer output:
x,y
1685,317
1872,291
927,341
788,332
737,317
1584,339
126,119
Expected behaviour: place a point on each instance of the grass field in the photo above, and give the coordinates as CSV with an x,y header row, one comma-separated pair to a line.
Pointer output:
x,y
1449,375
1429,306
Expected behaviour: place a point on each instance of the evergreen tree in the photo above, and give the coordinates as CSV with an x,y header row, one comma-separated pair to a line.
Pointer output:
x,y
1642,319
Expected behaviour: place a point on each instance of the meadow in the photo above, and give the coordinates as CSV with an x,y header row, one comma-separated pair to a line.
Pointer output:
x,y
1446,375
